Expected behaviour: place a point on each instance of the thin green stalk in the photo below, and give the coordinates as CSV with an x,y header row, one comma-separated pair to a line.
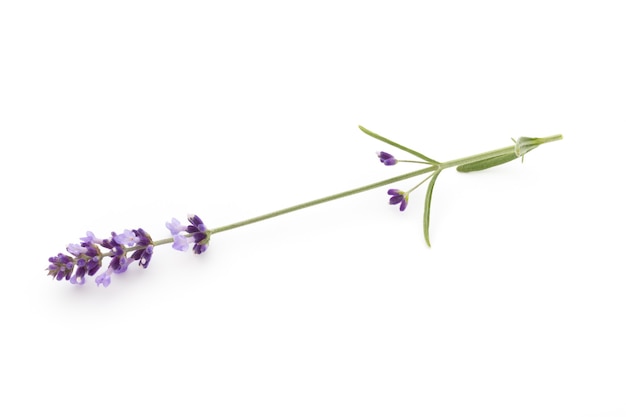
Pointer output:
x,y
322,200
164,241
435,167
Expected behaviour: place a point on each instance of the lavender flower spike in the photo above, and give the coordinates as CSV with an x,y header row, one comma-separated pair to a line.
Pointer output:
x,y
85,258
387,158
398,197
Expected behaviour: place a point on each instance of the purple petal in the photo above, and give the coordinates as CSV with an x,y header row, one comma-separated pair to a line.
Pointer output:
x,y
198,248
175,227
180,243
90,238
396,199
198,237
197,222
104,279
76,280
405,202
128,238
387,158
76,249
146,256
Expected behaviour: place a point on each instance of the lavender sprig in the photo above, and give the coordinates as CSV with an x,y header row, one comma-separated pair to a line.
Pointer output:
x,y
85,259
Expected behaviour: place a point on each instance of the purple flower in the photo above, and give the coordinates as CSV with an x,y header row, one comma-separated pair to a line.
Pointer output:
x,y
181,243
119,262
175,227
91,238
104,279
76,249
88,262
85,258
128,238
199,233
387,158
143,255
76,280
398,197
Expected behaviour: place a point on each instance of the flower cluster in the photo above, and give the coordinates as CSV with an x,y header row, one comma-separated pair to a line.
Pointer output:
x,y
85,258
197,233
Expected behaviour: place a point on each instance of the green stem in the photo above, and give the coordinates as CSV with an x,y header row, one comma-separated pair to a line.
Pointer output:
x,y
131,249
164,241
423,181
322,200
435,167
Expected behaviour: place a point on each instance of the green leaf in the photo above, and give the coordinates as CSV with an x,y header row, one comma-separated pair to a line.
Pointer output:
x,y
397,145
487,163
429,197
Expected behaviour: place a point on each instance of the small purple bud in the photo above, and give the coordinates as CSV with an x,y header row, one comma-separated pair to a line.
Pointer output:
x,y
143,238
61,266
199,248
398,197
197,224
387,158
145,256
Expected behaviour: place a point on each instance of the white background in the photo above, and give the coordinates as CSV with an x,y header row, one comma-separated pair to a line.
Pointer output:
x,y
123,114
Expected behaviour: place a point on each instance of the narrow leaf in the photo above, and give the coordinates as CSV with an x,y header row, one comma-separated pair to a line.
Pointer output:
x,y
487,163
429,196
397,145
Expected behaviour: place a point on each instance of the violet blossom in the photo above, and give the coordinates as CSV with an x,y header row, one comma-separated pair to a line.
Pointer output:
x,y
85,258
